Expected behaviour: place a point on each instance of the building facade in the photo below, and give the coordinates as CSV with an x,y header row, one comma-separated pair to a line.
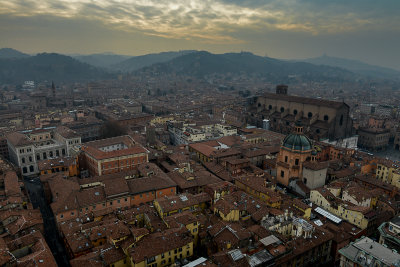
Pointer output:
x,y
113,155
27,148
321,118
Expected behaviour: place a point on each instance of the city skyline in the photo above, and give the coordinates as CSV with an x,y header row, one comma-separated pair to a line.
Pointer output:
x,y
362,30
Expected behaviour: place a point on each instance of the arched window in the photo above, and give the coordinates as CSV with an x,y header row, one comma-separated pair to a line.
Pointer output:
x,y
326,118
295,112
31,169
309,115
51,154
30,158
282,109
23,160
24,170
270,107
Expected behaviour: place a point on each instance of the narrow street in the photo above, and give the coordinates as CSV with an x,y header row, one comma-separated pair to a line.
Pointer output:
x,y
36,195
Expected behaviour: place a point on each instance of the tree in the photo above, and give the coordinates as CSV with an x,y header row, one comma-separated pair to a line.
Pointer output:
x,y
112,129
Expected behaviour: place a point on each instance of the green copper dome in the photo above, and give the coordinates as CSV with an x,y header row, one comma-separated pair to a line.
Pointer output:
x,y
297,142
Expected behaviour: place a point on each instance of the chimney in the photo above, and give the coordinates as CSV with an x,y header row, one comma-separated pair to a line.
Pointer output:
x,y
281,89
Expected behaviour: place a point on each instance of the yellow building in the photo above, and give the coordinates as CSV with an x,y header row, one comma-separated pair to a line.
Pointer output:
x,y
227,211
304,208
255,186
161,120
177,204
385,170
356,215
186,219
161,248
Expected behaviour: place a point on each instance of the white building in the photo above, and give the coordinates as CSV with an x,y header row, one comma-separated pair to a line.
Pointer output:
x,y
28,147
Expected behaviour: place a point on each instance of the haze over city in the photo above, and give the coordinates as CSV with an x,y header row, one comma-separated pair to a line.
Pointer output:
x,y
188,133
290,29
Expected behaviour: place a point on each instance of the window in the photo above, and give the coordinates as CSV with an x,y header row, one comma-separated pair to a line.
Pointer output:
x,y
44,155
282,173
341,120
286,158
24,170
326,118
150,260
305,180
23,160
119,201
62,216
126,199
282,109
295,112
57,153
111,203
309,114
37,157
296,162
31,168
270,107
63,151
51,154
72,213
30,158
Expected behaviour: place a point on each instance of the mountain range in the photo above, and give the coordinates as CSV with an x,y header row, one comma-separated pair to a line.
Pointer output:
x,y
355,66
202,63
16,67
46,66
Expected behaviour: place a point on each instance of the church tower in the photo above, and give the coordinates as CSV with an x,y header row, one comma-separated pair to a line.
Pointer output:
x,y
296,148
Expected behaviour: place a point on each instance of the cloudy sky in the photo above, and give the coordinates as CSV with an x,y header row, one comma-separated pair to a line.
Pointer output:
x,y
367,30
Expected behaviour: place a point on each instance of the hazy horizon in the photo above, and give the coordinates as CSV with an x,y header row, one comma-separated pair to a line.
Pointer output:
x,y
362,30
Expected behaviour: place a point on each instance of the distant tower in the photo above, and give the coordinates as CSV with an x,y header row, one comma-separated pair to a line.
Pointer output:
x,y
281,89
53,89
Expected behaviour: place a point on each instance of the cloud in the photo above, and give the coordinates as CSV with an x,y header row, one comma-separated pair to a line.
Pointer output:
x,y
283,28
208,20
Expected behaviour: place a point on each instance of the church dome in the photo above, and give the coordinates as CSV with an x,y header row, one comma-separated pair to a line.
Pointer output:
x,y
297,142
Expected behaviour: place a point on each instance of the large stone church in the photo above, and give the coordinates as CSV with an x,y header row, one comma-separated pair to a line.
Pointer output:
x,y
322,119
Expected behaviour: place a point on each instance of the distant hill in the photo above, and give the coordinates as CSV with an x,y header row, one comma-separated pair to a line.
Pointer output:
x,y
355,66
11,53
135,63
104,60
203,63
46,66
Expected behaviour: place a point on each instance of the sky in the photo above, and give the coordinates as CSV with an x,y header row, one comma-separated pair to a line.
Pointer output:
x,y
367,30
